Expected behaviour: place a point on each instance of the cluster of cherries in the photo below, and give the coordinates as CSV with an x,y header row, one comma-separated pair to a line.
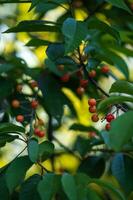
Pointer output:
x,y
33,104
83,83
95,118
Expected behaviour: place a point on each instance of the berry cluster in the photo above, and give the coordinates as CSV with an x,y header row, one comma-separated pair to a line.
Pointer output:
x,y
32,105
83,83
95,118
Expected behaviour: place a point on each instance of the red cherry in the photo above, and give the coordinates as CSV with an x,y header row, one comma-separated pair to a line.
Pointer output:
x,y
110,117
36,131
108,126
95,118
20,118
92,74
92,109
92,102
105,69
34,104
41,134
80,90
65,78
83,83
15,103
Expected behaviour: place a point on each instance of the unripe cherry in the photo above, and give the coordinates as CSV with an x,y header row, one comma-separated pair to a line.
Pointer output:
x,y
83,83
92,74
110,117
15,103
34,104
92,102
92,109
108,126
105,69
80,90
20,118
65,78
95,118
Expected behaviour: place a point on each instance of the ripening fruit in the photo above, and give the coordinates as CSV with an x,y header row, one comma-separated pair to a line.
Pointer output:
x,y
107,126
36,131
92,74
105,69
95,118
80,90
34,104
41,134
15,103
60,67
20,118
19,88
83,83
92,102
92,109
110,117
33,84
65,78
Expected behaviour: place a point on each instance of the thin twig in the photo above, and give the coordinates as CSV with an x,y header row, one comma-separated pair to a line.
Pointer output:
x,y
44,168
66,148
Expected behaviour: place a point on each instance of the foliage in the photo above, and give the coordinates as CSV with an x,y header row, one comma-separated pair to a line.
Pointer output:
x,y
83,51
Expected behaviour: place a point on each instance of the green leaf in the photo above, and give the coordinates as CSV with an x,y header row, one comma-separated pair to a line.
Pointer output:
x,y
3,188
16,172
82,128
120,4
74,32
6,87
94,23
33,149
122,86
48,187
113,100
108,186
51,89
121,168
6,67
89,166
29,188
55,51
112,58
69,186
121,130
52,67
34,26
46,149
91,194
35,42
11,128
7,138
